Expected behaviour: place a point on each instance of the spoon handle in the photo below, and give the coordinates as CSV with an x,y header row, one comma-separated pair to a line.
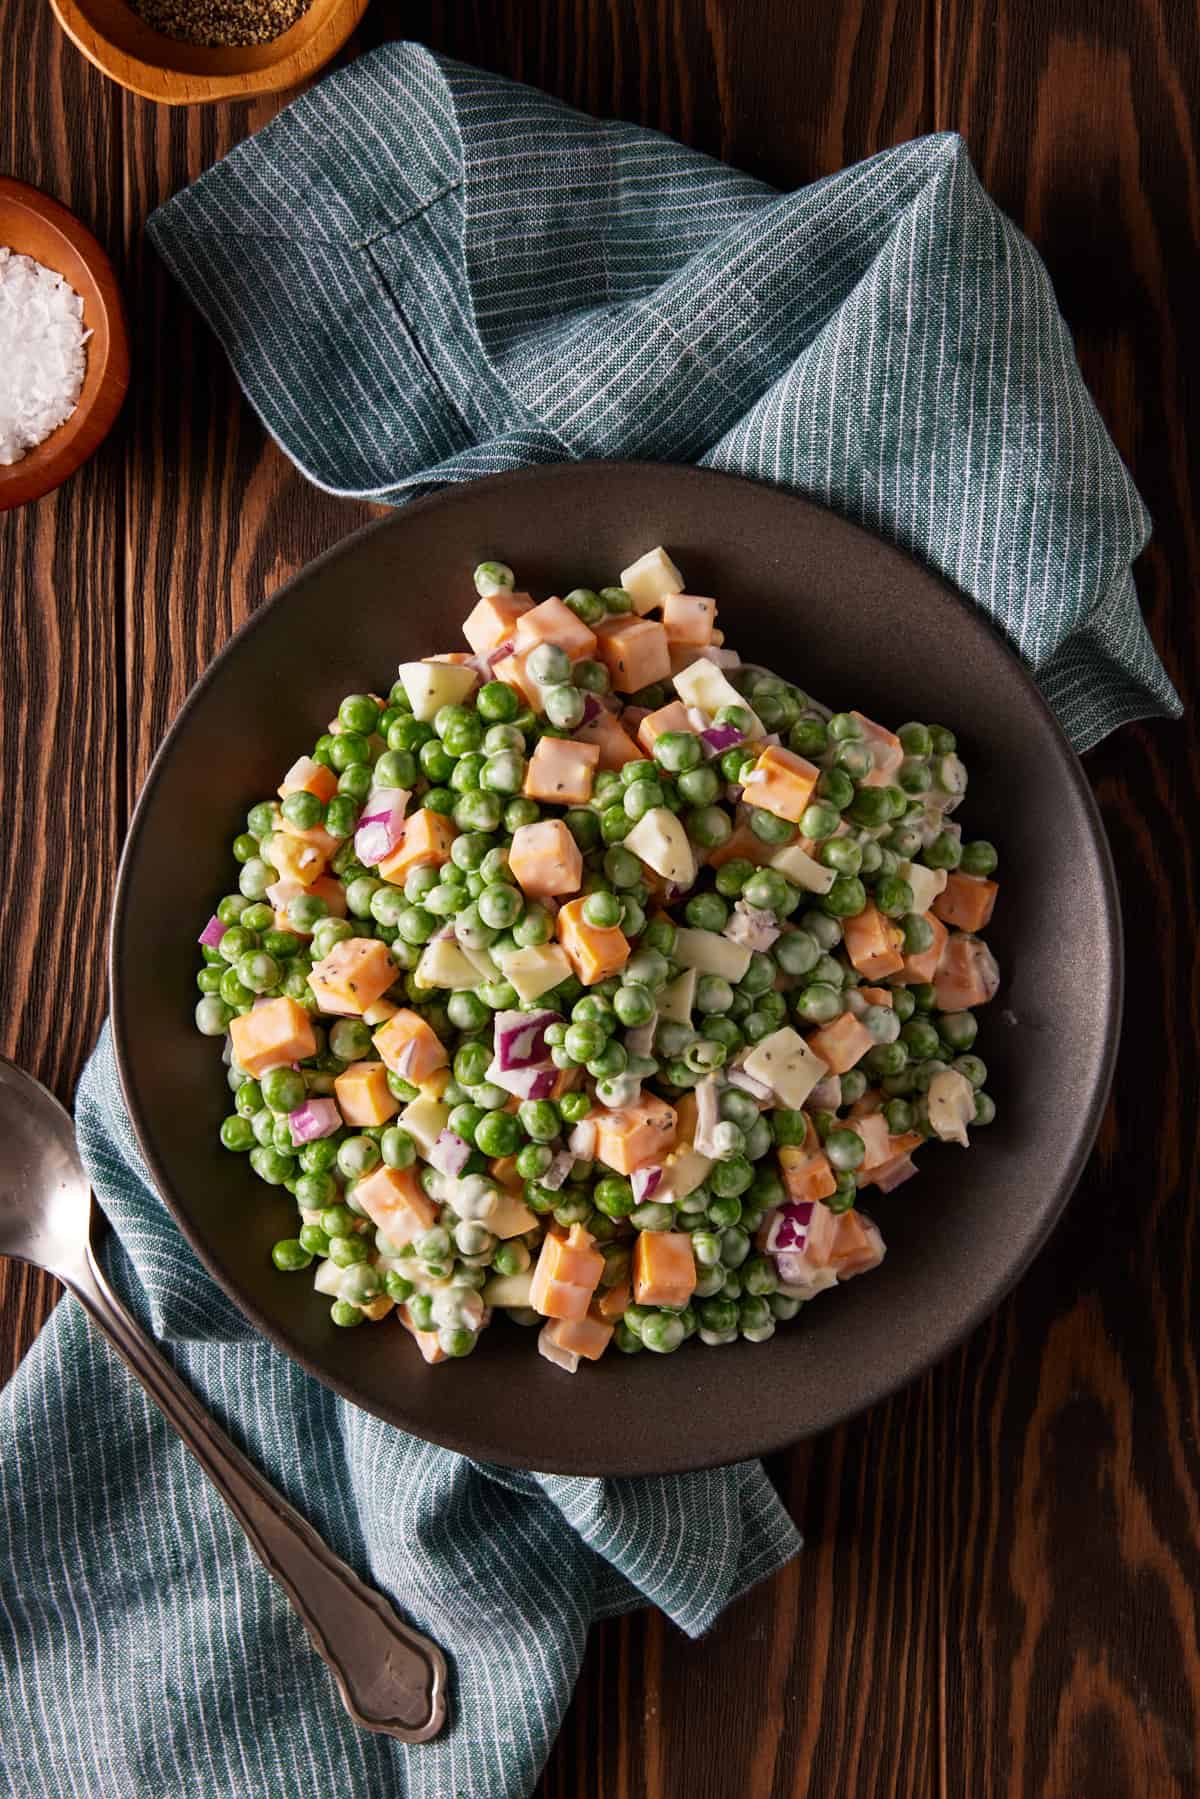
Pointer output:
x,y
390,1677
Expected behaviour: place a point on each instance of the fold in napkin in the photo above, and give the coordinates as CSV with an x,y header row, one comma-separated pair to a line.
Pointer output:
x,y
424,273
145,1653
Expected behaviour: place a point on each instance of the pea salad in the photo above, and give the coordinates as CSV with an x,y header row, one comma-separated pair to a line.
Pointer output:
x,y
592,976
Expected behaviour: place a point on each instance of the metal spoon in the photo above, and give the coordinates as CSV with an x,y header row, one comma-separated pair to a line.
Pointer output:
x,y
390,1677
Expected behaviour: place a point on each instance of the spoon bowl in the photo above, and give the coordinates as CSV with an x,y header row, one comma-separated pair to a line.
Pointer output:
x,y
45,1201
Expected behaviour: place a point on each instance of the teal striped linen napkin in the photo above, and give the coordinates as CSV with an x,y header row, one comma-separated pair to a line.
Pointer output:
x,y
146,1655
424,273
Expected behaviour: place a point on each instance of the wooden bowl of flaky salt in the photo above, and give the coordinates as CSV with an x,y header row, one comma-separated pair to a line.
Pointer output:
x,y
64,349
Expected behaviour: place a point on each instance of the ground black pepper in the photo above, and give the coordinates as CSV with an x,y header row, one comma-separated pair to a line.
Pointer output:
x,y
221,23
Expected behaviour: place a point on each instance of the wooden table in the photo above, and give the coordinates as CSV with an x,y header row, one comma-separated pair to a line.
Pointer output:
x,y
1000,1593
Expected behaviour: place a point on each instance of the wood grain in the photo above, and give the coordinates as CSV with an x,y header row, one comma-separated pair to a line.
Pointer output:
x,y
999,1592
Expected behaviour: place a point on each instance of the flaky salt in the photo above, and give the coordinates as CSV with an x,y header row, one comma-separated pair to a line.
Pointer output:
x,y
42,355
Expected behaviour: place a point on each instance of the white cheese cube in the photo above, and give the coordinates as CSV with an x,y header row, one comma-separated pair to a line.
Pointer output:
x,y
650,579
535,970
702,684
799,866
784,1062
951,1106
444,964
710,954
424,1120
481,960
430,685
662,843
684,1170
508,1289
676,1001
926,883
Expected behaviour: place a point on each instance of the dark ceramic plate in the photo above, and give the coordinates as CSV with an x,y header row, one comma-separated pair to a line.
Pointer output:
x,y
845,616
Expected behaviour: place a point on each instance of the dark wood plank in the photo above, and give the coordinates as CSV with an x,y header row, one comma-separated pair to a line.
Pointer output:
x,y
63,703
1067,1430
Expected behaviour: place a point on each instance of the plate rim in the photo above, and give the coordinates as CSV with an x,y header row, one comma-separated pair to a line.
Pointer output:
x,y
877,1386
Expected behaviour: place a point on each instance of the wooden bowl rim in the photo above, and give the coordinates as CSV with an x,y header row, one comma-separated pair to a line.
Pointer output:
x,y
196,74
93,277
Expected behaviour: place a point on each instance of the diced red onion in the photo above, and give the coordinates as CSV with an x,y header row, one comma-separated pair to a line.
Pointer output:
x,y
707,1115
559,1171
772,738
443,931
751,927
381,826
610,703
500,652
582,1141
521,1038
212,933
405,1059
755,1088
790,1226
733,791
719,738
450,1153
591,708
523,1083
722,657
645,1183
632,717
894,1173
315,1118
826,1096
639,1039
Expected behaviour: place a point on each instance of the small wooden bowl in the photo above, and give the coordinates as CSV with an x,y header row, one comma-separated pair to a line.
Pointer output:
x,y
163,68
35,225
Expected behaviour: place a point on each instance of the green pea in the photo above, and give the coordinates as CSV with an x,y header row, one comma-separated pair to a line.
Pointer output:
x,y
818,1003
591,677
539,1118
662,1332
698,787
845,728
808,737
958,1030
397,1147
944,852
603,910
357,1156
498,1134
707,912
272,1165
973,1067
918,934
289,1255
846,898
245,847
575,1106
979,858
985,1109
237,1133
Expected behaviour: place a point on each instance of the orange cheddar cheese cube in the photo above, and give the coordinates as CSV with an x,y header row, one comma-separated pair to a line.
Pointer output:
x,y
664,1268
379,1011
363,1095
324,887
634,651
966,901
561,771
876,1139
634,1136
857,1246
296,858
873,943
594,953
321,840
410,1047
616,746
689,619
781,782
354,974
307,776
394,1202
494,620
841,1043
612,1303
807,1173
587,1336
878,996
566,1276
687,1108
545,859
887,752
425,844
743,846
552,622
271,1036
426,1341
671,717
966,975
920,968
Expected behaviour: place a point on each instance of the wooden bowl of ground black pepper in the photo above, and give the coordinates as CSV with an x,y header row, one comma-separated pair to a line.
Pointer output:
x,y
190,52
